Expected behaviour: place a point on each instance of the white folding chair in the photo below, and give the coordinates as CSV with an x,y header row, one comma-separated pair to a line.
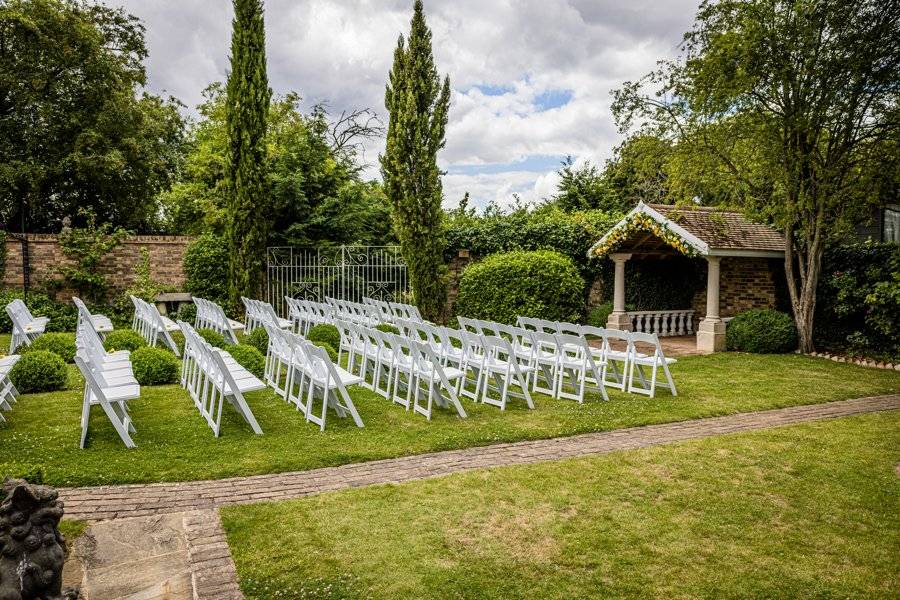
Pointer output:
x,y
25,327
655,361
101,324
578,370
545,356
8,392
111,398
332,382
501,366
437,379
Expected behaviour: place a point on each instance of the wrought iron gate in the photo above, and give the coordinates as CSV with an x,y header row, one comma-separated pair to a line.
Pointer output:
x,y
344,272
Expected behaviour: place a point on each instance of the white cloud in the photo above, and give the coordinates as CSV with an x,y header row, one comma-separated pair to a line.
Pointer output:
x,y
340,51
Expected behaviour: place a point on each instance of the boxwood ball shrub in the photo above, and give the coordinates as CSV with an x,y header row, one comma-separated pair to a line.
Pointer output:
x,y
259,339
387,328
249,357
60,344
329,349
762,331
541,283
154,366
212,337
123,339
325,333
39,371
187,312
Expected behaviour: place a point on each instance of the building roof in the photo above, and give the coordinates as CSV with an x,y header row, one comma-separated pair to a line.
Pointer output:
x,y
704,230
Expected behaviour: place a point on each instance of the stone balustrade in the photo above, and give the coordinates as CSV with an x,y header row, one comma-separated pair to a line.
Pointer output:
x,y
663,322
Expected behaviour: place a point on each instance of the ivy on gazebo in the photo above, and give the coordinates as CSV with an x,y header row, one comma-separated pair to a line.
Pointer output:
x,y
641,222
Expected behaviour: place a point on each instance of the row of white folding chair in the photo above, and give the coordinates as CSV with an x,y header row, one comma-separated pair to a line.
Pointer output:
x,y
383,307
108,382
212,377
258,312
212,316
624,363
363,314
101,323
8,391
153,325
303,374
306,314
25,326
411,364
405,311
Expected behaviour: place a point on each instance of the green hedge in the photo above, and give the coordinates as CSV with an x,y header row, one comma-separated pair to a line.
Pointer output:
x,y
187,312
387,328
540,284
39,371
762,331
123,339
206,268
249,357
328,334
60,344
154,366
212,337
259,339
329,349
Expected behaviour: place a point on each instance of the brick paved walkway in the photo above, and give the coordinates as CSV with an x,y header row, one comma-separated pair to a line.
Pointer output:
x,y
111,502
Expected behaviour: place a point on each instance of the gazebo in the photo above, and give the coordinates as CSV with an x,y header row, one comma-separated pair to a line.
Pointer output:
x,y
727,240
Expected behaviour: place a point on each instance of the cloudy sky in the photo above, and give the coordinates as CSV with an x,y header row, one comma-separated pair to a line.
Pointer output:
x,y
531,78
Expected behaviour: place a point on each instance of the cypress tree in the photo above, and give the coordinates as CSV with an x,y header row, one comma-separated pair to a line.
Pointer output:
x,y
247,108
417,105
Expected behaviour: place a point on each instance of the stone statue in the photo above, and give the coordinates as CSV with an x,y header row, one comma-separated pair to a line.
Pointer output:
x,y
31,548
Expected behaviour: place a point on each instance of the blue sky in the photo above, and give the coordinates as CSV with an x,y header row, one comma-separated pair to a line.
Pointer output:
x,y
531,79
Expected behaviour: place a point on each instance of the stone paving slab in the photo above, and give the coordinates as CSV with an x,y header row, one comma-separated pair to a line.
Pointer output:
x,y
122,501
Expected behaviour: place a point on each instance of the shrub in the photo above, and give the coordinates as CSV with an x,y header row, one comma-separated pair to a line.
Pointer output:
x,y
154,366
762,331
387,328
259,339
123,339
39,371
325,333
329,349
206,268
599,315
540,284
60,344
212,337
187,312
249,357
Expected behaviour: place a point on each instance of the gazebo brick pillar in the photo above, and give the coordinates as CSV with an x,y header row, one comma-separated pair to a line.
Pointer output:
x,y
618,318
711,332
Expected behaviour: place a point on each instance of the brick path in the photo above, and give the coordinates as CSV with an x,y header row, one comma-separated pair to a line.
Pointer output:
x,y
111,502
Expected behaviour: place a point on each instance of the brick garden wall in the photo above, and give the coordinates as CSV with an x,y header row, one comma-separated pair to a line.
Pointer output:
x,y
45,258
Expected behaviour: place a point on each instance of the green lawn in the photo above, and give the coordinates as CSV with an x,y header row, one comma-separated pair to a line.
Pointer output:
x,y
809,511
174,443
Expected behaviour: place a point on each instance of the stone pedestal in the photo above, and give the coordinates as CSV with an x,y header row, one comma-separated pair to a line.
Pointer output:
x,y
711,335
619,320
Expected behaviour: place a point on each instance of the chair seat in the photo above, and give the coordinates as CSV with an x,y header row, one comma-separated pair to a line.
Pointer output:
x,y
284,323
101,323
236,325
7,363
346,378
450,372
169,324
36,326
120,393
119,380
651,360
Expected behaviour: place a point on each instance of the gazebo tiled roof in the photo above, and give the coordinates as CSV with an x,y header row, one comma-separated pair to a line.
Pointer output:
x,y
703,230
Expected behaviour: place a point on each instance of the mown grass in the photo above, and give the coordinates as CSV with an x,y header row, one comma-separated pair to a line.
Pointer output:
x,y
809,511
174,443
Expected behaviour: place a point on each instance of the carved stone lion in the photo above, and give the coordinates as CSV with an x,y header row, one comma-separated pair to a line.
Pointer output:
x,y
31,548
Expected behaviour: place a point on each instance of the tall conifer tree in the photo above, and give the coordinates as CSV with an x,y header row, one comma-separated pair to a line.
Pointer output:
x,y
417,105
247,108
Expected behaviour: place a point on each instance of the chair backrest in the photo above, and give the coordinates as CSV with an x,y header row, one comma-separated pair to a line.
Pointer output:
x,y
83,313
544,344
569,328
651,339
469,325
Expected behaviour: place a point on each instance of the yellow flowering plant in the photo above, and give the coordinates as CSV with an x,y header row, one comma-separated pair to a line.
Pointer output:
x,y
641,222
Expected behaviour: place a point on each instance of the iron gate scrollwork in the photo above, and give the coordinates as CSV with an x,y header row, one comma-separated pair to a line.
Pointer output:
x,y
344,272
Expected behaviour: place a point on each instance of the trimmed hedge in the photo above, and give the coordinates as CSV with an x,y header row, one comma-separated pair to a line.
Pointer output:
x,y
187,312
63,317
124,339
249,357
154,366
259,339
212,337
328,334
542,284
762,331
329,349
39,371
206,268
60,344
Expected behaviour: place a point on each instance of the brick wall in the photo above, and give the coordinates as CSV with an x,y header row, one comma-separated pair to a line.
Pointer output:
x,y
45,257
455,268
745,283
